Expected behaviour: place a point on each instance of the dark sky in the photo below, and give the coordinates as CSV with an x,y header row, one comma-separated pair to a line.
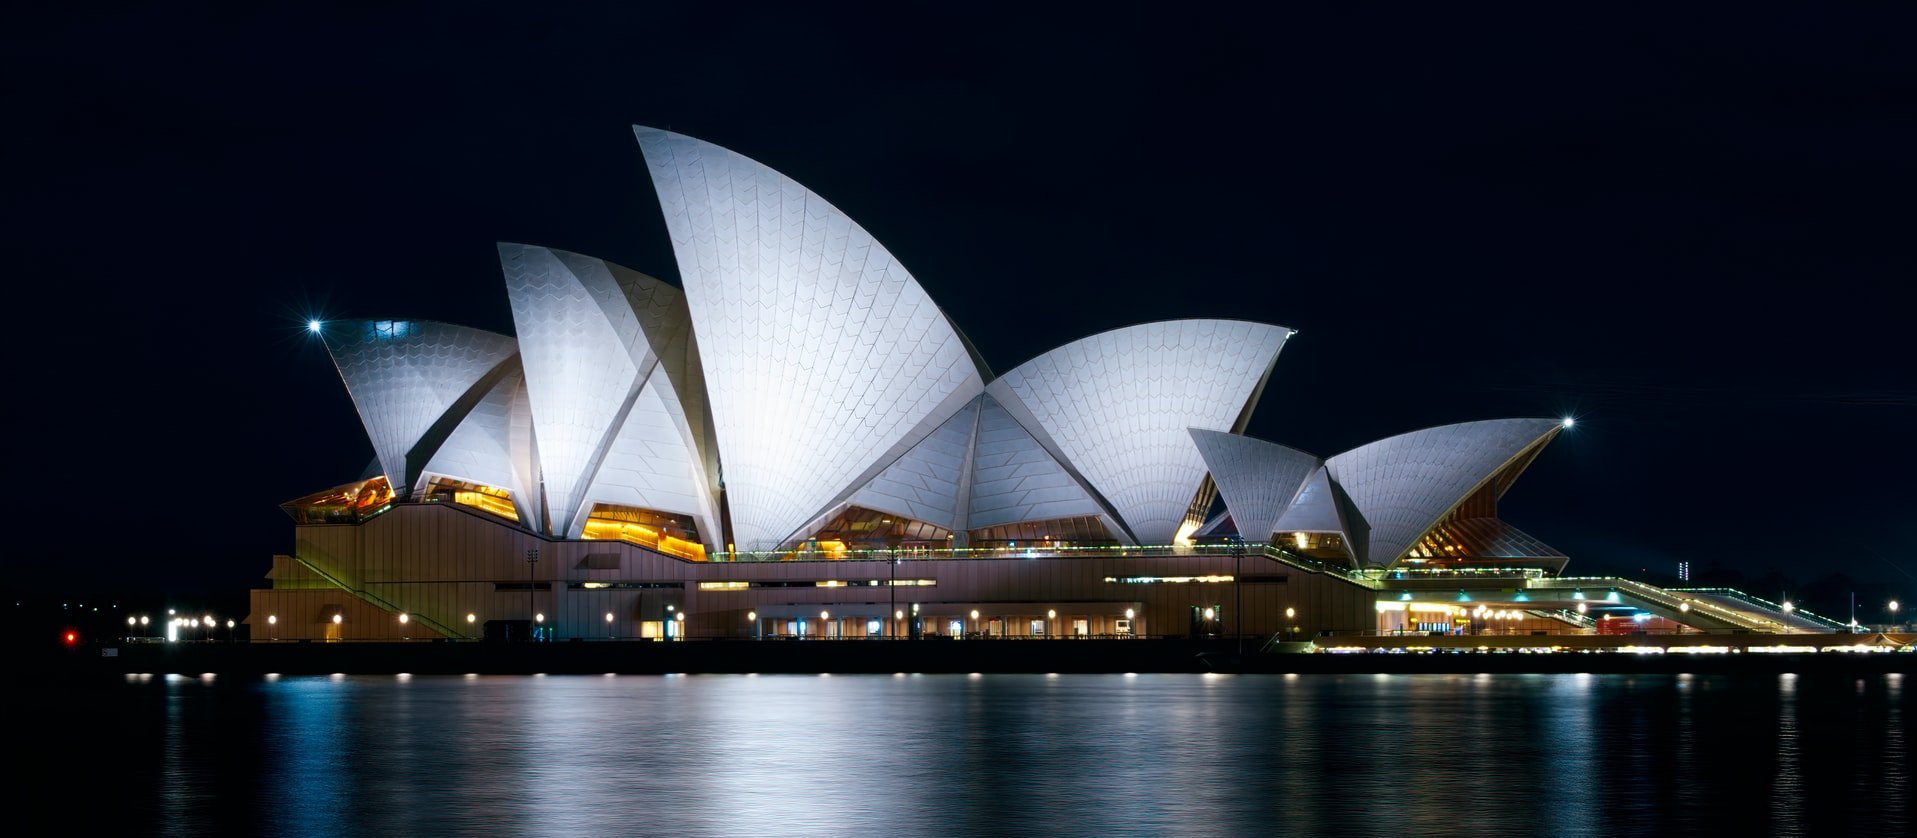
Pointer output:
x,y
1690,229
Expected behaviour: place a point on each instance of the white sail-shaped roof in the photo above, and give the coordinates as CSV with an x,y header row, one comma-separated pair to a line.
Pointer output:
x,y
480,448
589,338
1014,479
1314,508
404,375
820,351
1257,479
1403,486
924,484
650,464
1118,407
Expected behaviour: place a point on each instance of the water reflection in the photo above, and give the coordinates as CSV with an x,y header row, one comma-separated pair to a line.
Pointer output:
x,y
1006,754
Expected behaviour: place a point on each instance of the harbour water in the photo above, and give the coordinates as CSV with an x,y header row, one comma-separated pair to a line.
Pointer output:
x,y
1071,754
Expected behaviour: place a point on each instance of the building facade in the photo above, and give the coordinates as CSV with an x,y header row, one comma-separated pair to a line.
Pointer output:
x,y
798,442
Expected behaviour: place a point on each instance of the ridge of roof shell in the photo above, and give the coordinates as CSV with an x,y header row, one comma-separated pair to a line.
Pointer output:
x,y
1118,407
1259,480
1404,485
822,352
1289,333
405,375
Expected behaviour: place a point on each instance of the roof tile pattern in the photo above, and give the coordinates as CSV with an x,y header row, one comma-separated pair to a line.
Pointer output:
x,y
583,354
404,374
1403,485
820,351
479,450
650,465
1313,509
1257,479
1120,405
924,483
1014,479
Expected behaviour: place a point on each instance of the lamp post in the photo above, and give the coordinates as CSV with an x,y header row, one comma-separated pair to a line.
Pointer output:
x,y
608,625
1238,593
532,558
680,618
403,620
753,618
273,626
1893,614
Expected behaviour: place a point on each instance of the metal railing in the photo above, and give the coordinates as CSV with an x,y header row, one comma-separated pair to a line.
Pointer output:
x,y
379,601
905,554
1793,611
1660,596
1310,565
1566,615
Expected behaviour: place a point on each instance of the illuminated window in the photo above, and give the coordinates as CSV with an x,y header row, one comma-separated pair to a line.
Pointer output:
x,y
348,504
1080,531
666,532
488,499
858,528
1150,580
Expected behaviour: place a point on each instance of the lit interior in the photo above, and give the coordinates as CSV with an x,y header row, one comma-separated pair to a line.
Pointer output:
x,y
666,532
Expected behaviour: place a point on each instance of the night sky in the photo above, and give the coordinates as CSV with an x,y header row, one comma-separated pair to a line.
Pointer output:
x,y
1691,233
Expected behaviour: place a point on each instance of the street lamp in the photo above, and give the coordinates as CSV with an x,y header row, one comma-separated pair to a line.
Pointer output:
x,y
753,618
823,617
1051,615
680,618
532,558
608,625
403,620
273,626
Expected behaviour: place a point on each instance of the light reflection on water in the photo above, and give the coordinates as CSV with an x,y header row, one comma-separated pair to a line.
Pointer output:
x,y
1071,754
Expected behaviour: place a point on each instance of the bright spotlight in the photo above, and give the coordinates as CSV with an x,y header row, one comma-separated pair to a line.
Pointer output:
x,y
1568,421
313,326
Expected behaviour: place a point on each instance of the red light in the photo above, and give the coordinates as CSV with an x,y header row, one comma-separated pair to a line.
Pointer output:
x,y
73,637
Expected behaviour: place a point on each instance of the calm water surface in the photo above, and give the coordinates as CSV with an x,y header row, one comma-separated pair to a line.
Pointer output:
x,y
995,754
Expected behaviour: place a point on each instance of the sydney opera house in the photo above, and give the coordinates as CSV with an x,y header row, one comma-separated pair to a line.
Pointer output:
x,y
796,442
